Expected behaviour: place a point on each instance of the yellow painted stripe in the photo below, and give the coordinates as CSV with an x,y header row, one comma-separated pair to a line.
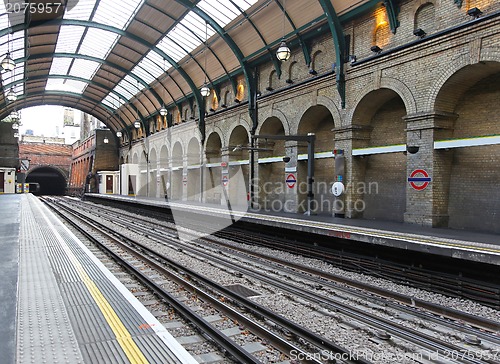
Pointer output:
x,y
130,348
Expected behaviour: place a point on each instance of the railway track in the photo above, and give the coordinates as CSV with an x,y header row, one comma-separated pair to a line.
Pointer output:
x,y
446,280
216,295
385,329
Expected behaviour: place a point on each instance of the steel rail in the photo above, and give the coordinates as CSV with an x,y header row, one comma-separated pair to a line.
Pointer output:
x,y
249,305
219,338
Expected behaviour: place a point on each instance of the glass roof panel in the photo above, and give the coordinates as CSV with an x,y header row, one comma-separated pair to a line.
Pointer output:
x,y
95,42
151,67
128,87
224,11
84,68
185,37
81,11
190,32
112,101
14,43
172,49
98,43
69,38
60,66
117,14
59,84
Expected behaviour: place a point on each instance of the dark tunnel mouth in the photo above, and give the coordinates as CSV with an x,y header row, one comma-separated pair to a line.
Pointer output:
x,y
51,181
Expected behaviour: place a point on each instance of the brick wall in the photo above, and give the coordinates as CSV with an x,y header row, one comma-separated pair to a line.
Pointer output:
x,y
430,89
9,149
43,154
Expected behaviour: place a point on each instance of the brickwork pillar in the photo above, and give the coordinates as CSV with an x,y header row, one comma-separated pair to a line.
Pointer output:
x,y
428,206
291,189
347,139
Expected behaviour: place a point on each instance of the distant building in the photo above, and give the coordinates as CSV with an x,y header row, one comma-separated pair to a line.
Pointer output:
x,y
41,139
69,117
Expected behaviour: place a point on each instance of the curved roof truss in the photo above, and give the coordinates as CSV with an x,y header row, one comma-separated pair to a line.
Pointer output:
x,y
126,58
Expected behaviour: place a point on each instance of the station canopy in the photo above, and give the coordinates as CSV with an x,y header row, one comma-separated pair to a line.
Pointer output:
x,y
121,60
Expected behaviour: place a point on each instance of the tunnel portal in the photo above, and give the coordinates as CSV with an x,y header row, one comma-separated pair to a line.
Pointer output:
x,y
51,181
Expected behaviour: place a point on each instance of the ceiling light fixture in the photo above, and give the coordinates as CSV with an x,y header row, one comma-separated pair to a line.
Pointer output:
x,y
163,109
11,96
283,52
8,63
205,90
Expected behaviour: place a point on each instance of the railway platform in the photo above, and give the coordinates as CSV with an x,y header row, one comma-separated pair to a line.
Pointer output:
x,y
460,244
60,304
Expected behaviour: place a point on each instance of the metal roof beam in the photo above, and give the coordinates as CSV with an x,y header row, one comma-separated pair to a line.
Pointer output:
x,y
339,44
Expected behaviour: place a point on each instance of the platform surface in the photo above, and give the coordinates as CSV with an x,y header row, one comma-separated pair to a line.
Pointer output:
x,y
10,207
463,244
70,307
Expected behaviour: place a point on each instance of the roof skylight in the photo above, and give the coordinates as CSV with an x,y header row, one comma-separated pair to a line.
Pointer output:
x,y
182,39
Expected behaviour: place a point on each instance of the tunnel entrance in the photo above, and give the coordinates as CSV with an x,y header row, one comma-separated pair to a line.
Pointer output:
x,y
51,181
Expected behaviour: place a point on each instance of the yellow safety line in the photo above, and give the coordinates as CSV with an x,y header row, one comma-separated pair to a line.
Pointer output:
x,y
132,351
130,348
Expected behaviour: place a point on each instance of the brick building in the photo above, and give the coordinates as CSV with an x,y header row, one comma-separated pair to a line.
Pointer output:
x,y
90,156
50,162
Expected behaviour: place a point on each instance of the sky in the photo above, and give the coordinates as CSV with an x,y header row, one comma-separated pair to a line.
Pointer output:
x,y
44,120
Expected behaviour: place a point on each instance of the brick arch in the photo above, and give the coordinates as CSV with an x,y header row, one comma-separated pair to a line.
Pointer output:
x,y
196,143
177,163
418,4
164,163
63,172
437,99
321,101
153,148
241,121
217,130
392,84
426,21
210,158
280,116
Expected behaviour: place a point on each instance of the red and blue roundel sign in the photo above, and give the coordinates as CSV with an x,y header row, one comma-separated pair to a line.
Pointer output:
x,y
291,180
419,179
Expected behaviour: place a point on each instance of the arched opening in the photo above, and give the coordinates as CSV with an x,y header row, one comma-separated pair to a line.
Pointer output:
x,y
317,120
164,172
471,181
381,183
143,179
271,192
51,181
177,172
238,163
213,175
193,170
153,167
